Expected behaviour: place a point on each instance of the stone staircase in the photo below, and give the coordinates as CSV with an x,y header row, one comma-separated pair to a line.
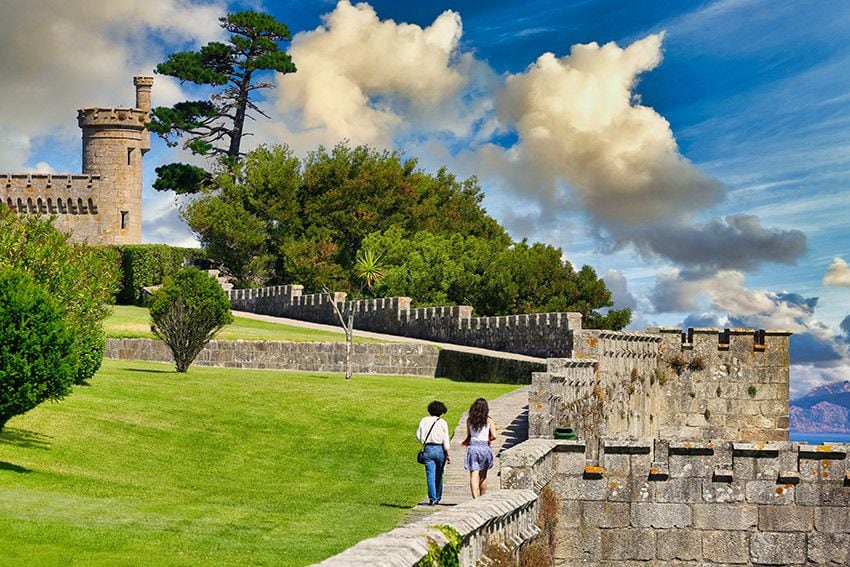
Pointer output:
x,y
510,413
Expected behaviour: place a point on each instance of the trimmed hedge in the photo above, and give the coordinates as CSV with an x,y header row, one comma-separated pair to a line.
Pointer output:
x,y
149,264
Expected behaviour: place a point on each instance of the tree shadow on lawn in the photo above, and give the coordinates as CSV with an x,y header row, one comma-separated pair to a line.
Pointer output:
x,y
24,438
4,466
150,371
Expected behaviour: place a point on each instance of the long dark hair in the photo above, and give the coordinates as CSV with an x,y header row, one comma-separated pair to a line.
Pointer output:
x,y
478,412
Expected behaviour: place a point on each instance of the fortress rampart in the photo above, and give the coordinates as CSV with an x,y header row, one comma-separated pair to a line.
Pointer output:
x,y
104,205
689,503
541,335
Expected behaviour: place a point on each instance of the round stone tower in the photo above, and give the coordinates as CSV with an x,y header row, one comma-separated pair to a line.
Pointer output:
x,y
114,141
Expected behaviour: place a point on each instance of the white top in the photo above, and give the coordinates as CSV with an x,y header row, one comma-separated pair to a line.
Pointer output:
x,y
482,434
440,433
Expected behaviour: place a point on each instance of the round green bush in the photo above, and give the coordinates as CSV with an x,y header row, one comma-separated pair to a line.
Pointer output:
x,y
187,311
36,346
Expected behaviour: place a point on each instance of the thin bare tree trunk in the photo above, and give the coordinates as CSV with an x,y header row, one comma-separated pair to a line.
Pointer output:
x,y
348,326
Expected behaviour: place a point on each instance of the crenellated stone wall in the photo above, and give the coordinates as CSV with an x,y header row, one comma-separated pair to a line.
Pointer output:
x,y
701,384
687,503
541,335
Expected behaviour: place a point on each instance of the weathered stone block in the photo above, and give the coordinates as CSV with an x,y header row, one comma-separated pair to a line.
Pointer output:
x,y
785,518
577,545
605,514
725,547
832,519
678,490
772,548
831,493
679,545
578,488
652,515
725,516
768,492
627,544
829,548
629,489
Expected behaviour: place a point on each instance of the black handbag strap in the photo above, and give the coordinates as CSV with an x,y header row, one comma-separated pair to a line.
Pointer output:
x,y
429,432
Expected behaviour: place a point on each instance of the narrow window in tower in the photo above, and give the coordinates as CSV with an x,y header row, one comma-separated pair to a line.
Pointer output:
x,y
125,219
129,156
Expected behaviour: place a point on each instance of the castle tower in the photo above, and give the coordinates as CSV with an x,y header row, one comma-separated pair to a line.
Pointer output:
x,y
114,141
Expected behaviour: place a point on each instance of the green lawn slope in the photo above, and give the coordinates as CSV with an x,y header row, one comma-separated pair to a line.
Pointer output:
x,y
131,322
214,467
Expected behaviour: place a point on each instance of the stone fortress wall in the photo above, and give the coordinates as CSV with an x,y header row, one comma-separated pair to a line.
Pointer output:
x,y
662,501
104,204
703,383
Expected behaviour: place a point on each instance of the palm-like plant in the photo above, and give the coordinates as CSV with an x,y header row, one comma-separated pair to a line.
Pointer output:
x,y
368,267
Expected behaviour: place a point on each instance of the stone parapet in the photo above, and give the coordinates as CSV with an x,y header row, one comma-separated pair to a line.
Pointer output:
x,y
539,335
693,503
506,516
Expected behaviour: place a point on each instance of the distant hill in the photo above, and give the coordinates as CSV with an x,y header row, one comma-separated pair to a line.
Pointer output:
x,y
824,409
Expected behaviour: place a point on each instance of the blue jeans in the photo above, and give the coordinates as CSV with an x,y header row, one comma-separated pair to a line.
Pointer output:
x,y
435,462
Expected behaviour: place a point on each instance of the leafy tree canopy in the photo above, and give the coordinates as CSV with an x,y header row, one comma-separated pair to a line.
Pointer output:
x,y
233,71
346,217
81,279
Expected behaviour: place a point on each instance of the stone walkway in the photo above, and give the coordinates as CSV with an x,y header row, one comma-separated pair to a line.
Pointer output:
x,y
510,413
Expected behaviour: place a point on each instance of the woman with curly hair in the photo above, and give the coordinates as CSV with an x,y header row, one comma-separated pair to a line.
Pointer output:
x,y
480,432
433,433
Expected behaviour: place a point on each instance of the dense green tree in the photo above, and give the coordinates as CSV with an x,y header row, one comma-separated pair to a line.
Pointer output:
x,y
233,71
36,346
187,311
82,279
493,277
305,222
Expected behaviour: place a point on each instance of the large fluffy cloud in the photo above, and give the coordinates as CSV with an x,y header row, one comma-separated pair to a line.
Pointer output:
x,y
837,274
579,121
58,56
361,78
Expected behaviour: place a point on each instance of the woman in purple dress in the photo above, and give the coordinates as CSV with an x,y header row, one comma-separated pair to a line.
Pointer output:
x,y
480,432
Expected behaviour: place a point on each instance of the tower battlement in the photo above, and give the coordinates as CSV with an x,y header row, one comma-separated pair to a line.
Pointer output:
x,y
94,117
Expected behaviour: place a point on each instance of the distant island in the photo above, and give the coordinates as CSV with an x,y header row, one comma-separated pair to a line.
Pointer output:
x,y
824,409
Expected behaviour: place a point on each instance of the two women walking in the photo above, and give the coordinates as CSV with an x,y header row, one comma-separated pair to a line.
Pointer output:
x,y
433,433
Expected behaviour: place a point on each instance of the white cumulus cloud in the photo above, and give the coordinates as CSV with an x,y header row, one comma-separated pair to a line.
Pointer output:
x,y
360,77
838,273
579,121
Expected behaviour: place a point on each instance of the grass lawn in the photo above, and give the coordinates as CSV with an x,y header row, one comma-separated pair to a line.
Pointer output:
x,y
214,467
132,322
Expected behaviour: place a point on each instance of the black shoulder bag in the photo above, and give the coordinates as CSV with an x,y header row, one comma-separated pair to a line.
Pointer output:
x,y
420,456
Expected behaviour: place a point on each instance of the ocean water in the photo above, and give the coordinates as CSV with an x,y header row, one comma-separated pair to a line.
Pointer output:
x,y
820,438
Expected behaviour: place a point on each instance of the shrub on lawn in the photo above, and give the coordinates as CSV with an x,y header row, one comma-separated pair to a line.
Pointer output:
x,y
187,311
80,279
36,346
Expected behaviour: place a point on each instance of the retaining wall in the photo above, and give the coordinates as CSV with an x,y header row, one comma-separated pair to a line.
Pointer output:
x,y
692,503
369,358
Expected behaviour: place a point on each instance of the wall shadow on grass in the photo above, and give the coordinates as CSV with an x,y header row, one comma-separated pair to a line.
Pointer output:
x,y
4,466
24,438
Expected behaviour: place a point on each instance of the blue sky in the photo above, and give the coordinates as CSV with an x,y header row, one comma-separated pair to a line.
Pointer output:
x,y
700,162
